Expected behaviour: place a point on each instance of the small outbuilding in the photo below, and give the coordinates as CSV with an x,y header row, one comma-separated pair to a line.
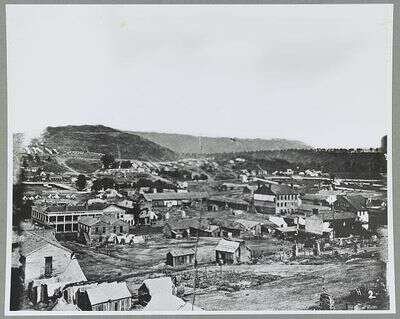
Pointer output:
x,y
232,252
180,257
113,296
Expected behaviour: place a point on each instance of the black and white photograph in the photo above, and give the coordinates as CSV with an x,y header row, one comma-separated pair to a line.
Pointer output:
x,y
199,159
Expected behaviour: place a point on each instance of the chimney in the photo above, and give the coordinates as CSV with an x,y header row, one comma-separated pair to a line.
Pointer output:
x,y
315,211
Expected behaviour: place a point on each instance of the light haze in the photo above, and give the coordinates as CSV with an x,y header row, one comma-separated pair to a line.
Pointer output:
x,y
316,73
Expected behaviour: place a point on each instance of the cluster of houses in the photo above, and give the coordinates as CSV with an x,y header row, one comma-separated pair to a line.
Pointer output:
x,y
285,210
52,277
233,212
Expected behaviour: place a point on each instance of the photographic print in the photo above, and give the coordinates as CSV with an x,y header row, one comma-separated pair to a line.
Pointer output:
x,y
199,159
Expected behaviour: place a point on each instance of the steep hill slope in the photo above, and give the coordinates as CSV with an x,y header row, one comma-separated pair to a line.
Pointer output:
x,y
181,143
102,139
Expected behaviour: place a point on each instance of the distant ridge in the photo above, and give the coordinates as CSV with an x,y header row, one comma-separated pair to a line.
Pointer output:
x,y
190,144
103,139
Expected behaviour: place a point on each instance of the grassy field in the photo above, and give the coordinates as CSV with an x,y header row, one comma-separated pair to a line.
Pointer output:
x,y
83,166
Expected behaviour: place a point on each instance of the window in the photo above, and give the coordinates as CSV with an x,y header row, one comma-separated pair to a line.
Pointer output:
x,y
68,227
75,227
52,219
121,229
104,230
48,266
60,218
115,229
75,217
68,218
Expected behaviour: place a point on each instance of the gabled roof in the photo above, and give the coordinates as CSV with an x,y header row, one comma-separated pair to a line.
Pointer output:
x,y
358,202
166,302
228,224
264,190
62,305
159,286
227,246
248,224
32,242
109,219
181,252
73,272
108,291
274,189
88,220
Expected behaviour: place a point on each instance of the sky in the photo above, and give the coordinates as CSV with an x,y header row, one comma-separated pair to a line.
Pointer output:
x,y
320,74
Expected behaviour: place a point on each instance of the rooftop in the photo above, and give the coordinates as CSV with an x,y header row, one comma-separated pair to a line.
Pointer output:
x,y
176,196
159,286
227,199
181,252
358,202
274,189
62,208
336,215
227,246
32,241
108,291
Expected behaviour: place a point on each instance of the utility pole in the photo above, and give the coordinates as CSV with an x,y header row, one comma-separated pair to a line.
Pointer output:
x,y
195,258
197,243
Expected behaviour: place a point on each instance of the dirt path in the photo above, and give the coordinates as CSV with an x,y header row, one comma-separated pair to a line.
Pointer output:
x,y
62,161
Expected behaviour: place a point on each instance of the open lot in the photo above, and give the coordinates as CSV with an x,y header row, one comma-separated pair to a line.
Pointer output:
x,y
298,288
271,285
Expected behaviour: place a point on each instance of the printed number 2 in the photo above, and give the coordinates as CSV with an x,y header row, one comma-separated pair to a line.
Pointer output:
x,y
371,294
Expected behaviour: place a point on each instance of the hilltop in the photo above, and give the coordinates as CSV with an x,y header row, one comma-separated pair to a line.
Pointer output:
x,y
190,144
102,139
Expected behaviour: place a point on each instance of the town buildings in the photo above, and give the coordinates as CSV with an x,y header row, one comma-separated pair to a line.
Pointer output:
x,y
173,199
41,256
64,218
284,197
332,223
99,228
